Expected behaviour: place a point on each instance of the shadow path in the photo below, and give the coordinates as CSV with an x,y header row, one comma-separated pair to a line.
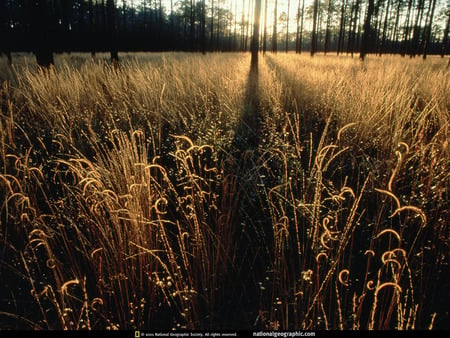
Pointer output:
x,y
251,218
248,131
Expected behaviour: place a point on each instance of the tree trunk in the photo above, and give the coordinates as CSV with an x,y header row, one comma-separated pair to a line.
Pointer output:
x,y
41,27
265,28
445,37
160,19
394,37
91,27
300,41
247,25
350,29
5,36
428,36
235,26
358,34
298,28
425,30
219,46
255,38
112,30
415,41
341,28
378,22
287,26
319,26
383,38
171,17
327,28
406,30
212,27
274,34
352,37
314,29
229,24
203,27
366,33
192,25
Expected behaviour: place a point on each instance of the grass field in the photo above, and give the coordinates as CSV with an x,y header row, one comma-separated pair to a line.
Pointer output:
x,y
186,191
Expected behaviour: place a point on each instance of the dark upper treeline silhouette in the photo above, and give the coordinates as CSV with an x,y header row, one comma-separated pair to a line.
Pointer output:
x,y
407,27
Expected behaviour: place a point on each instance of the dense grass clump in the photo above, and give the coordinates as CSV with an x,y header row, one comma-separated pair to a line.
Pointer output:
x,y
180,191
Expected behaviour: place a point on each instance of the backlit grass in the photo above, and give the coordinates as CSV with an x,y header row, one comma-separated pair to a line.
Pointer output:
x,y
186,191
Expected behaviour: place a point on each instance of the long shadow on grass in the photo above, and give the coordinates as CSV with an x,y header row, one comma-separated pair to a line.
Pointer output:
x,y
250,219
247,133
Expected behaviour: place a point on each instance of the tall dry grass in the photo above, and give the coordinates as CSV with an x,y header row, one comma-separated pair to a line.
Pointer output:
x,y
132,198
375,147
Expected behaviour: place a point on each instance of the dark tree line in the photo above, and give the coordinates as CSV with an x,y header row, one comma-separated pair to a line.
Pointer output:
x,y
406,27
48,26
44,27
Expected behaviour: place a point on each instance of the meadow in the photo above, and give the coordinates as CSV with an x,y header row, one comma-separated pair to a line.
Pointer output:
x,y
187,191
